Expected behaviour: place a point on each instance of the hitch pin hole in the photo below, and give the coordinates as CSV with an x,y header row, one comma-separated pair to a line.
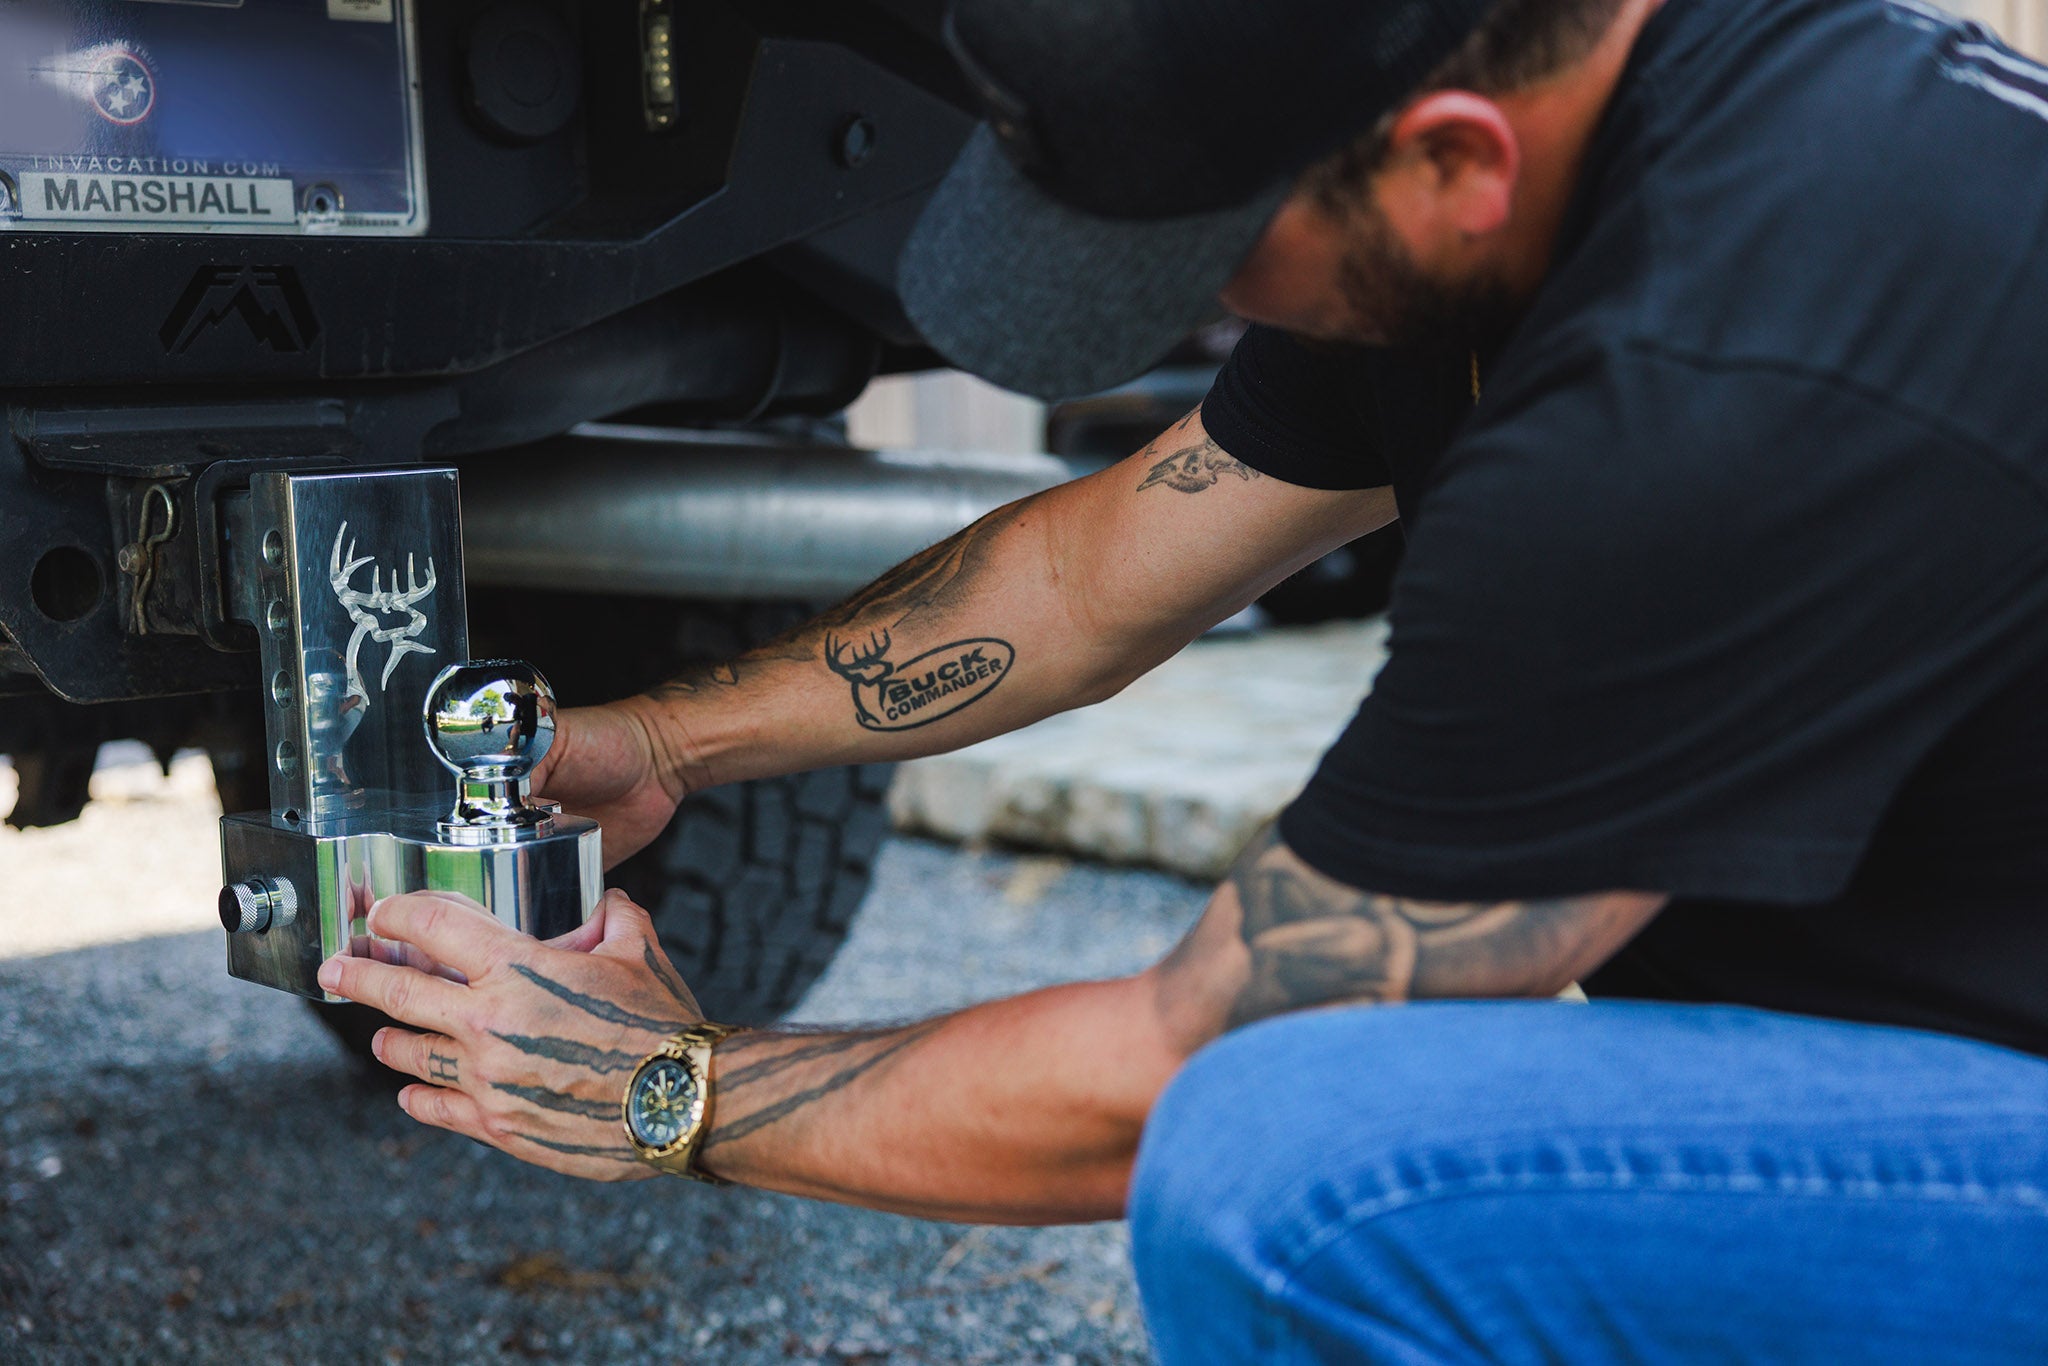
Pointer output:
x,y
67,584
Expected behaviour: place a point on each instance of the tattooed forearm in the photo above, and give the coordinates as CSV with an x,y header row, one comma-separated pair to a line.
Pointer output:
x,y
747,1103
1194,468
825,1046
698,678
941,579
591,1005
758,1040
554,1100
1313,940
944,576
728,674
906,693
599,1060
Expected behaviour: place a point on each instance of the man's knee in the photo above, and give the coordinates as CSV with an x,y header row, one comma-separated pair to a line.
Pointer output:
x,y
1263,1110
1249,1159
1280,1137
1238,1142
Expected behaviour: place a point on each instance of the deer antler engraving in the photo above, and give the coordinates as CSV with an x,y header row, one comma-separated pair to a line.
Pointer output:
x,y
364,610
858,664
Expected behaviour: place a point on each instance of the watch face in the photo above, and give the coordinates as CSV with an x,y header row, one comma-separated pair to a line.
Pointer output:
x,y
663,1104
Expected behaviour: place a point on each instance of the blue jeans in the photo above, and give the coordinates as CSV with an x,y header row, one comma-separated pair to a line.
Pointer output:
x,y
1540,1181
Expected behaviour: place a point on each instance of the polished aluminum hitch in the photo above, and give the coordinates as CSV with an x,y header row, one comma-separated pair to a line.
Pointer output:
x,y
369,707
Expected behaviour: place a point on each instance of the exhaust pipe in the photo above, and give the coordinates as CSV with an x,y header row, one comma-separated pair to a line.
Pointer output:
x,y
668,514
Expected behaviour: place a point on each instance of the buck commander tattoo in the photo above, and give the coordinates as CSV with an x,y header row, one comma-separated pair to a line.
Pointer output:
x,y
919,691
1194,468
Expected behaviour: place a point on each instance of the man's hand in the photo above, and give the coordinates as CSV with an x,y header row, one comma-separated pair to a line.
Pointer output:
x,y
605,765
532,1053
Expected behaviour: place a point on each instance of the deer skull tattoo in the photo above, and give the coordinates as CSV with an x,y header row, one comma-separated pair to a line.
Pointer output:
x,y
366,609
861,663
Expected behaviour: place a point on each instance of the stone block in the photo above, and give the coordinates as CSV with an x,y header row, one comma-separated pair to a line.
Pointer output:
x,y
1178,772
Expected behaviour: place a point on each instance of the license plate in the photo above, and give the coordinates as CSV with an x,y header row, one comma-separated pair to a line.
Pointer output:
x,y
270,116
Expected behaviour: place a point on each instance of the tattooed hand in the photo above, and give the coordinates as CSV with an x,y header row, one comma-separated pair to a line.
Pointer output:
x,y
532,1053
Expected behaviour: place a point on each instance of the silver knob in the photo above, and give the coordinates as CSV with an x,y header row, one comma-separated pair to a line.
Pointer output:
x,y
490,722
259,904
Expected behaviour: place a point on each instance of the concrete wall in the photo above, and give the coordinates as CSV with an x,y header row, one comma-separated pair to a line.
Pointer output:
x,y
2023,23
945,411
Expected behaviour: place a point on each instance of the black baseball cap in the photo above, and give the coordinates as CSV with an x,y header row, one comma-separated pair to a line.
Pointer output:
x,y
1132,154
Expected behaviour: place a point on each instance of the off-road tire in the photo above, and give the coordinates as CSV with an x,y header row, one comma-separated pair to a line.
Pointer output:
x,y
753,886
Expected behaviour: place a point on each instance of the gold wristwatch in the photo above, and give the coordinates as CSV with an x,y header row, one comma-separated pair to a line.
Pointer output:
x,y
667,1106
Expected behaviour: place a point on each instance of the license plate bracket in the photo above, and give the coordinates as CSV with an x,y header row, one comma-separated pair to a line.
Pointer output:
x,y
211,116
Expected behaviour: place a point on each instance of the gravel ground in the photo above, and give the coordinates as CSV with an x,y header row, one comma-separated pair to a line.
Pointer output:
x,y
191,1171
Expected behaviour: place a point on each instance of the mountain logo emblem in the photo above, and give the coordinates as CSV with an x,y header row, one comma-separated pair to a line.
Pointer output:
x,y
269,300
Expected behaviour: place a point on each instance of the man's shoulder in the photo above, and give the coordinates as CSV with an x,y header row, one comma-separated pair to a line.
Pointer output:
x,y
1852,192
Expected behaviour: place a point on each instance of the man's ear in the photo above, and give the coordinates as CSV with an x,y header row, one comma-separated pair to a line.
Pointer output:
x,y
1452,164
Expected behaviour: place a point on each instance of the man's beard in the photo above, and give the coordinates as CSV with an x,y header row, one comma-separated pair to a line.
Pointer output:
x,y
1392,303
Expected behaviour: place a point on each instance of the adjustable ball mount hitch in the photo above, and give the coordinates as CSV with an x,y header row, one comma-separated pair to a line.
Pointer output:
x,y
370,705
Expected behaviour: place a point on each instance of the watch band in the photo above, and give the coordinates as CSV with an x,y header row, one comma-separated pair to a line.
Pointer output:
x,y
691,1047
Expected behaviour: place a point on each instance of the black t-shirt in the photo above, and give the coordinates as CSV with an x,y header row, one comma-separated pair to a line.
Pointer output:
x,y
1734,584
